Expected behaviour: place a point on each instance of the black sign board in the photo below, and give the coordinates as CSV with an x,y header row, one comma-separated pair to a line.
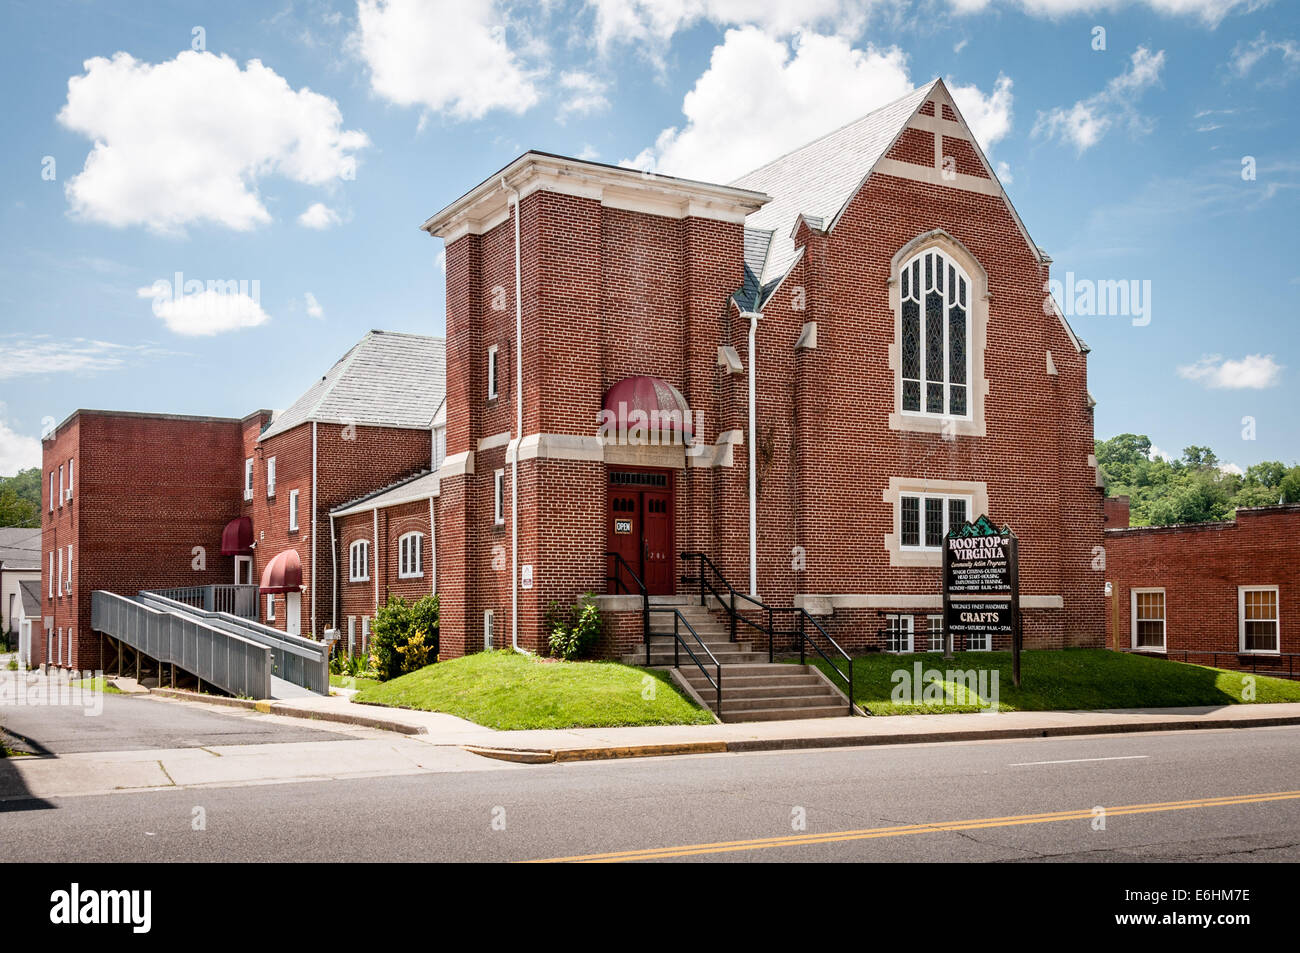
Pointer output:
x,y
981,585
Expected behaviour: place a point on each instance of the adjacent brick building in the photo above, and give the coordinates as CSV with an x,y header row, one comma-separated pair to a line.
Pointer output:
x,y
1222,593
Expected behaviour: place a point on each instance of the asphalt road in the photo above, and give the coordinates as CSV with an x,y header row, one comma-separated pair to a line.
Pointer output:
x,y
855,804
137,722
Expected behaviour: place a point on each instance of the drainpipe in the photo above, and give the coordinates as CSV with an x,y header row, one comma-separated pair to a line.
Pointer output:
x,y
433,551
375,513
313,534
753,453
334,577
513,449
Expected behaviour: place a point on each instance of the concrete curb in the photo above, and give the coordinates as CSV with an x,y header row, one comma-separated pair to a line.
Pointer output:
x,y
279,708
557,755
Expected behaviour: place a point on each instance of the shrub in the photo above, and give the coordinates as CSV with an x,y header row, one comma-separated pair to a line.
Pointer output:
x,y
395,626
574,631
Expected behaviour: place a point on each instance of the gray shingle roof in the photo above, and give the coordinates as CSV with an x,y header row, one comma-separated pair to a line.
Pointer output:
x,y
418,487
31,596
20,548
386,379
818,179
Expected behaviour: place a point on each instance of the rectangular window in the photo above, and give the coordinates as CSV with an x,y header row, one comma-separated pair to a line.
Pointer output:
x,y
60,558
935,625
51,490
270,608
409,556
978,642
60,645
898,633
499,498
270,477
293,511
487,629
352,634
1257,619
439,446
69,479
50,575
1148,607
365,633
924,519
359,561
60,484
248,478
69,569
492,372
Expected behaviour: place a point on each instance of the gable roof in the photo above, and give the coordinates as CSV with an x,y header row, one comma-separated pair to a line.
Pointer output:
x,y
421,486
818,179
20,548
30,590
387,379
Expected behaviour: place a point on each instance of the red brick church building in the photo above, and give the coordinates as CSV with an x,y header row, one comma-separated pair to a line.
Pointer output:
x,y
807,375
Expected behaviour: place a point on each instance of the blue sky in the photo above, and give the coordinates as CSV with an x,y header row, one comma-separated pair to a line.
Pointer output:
x,y
309,171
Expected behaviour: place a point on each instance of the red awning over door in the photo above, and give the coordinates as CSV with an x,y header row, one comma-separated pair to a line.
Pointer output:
x,y
648,394
283,573
237,537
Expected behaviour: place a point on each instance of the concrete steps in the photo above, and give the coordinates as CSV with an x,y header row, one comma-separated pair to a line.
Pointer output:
x,y
753,689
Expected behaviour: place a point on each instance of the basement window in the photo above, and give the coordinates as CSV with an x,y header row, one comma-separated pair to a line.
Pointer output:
x,y
898,633
934,623
1257,619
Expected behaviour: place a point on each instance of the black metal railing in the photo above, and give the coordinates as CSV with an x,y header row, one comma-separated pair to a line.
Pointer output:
x,y
1292,669
712,582
615,584
679,643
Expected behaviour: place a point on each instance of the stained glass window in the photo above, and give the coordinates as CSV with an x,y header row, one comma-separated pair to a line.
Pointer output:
x,y
935,347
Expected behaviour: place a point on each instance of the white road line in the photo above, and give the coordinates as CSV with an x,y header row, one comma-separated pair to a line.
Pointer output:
x,y
1125,757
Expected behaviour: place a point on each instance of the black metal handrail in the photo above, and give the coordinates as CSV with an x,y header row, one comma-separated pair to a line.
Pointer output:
x,y
1239,656
800,613
680,643
619,585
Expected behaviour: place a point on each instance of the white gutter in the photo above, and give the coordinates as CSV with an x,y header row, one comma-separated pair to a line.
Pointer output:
x,y
753,452
433,551
313,532
512,451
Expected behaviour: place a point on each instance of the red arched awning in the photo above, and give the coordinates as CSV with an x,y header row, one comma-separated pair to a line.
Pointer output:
x,y
665,409
237,537
283,573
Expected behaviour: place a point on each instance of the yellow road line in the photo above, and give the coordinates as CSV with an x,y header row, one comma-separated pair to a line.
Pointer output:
x,y
1013,820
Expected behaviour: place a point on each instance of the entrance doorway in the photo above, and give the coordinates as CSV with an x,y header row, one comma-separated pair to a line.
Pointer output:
x,y
243,570
293,613
639,527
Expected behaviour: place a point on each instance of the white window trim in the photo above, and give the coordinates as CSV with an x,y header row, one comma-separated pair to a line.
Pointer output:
x,y
50,575
60,484
248,478
69,569
293,511
1241,620
933,623
415,543
499,498
60,562
489,625
976,490
493,385
922,496
1133,620
270,607
361,546
909,628
51,493
270,478
69,491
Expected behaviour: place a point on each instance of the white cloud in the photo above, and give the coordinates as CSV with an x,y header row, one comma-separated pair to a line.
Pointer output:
x,y
1088,120
313,306
28,356
989,117
1209,12
1003,172
752,77
188,140
1246,56
1254,371
584,94
441,260
1157,454
318,216
17,451
1232,468
445,55
589,152
205,313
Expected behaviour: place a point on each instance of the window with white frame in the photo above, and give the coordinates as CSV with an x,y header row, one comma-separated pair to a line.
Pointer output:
x,y
499,497
69,493
50,575
270,477
935,351
60,645
69,569
488,624
1257,619
365,633
978,642
492,373
270,608
51,489
439,446
359,561
410,556
925,518
293,511
60,484
934,624
1148,615
59,554
248,478
898,633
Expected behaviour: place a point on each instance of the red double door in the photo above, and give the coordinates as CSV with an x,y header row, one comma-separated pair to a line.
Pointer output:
x,y
640,529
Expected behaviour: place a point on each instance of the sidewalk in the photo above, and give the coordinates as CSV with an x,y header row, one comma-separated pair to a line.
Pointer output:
x,y
587,744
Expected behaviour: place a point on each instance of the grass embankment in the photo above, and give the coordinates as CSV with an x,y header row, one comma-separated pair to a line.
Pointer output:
x,y
1063,680
509,691
96,685
352,681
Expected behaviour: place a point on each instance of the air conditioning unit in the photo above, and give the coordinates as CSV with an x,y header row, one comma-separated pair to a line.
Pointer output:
x,y
248,493
67,495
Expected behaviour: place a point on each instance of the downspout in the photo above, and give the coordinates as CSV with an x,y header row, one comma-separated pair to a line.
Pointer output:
x,y
433,550
753,453
375,513
313,533
334,577
513,449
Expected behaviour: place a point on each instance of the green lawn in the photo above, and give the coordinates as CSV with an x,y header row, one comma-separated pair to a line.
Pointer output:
x,y
97,685
508,691
348,681
1066,680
